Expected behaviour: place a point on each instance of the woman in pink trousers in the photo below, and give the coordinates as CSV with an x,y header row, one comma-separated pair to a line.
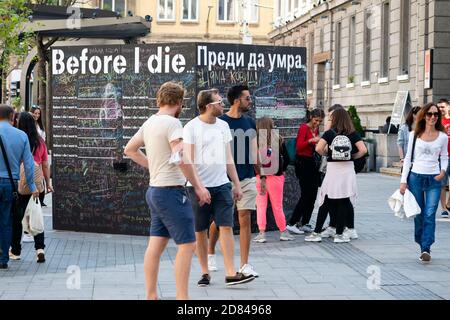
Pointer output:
x,y
273,160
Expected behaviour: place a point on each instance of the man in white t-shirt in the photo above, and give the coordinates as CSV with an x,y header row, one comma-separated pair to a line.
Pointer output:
x,y
207,145
169,204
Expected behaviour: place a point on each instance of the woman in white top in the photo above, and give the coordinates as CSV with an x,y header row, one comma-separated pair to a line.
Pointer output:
x,y
423,169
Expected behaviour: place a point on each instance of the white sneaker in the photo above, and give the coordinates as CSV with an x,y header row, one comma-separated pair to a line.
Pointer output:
x,y
260,238
351,233
247,269
13,256
212,266
328,232
313,237
27,238
341,238
285,236
293,229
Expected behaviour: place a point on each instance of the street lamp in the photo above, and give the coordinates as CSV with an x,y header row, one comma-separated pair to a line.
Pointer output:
x,y
247,36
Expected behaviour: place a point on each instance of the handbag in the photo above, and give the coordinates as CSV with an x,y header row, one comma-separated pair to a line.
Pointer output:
x,y
15,194
317,160
291,146
38,180
33,220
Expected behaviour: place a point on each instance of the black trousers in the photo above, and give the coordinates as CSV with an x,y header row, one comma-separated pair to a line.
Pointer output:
x,y
16,247
308,177
343,211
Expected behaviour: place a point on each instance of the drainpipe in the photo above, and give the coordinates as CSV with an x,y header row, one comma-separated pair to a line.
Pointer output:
x,y
207,22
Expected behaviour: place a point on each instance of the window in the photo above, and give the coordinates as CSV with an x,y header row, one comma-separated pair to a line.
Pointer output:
x,y
337,54
279,8
321,40
252,11
367,45
115,5
166,10
190,10
226,10
385,39
352,48
404,37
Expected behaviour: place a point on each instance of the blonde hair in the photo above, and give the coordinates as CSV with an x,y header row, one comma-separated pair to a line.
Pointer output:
x,y
267,125
170,93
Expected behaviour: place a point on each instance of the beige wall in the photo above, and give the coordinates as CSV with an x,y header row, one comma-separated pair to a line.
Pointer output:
x,y
375,98
201,30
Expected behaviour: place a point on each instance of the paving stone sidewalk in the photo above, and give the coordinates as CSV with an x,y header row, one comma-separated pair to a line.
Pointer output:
x,y
111,266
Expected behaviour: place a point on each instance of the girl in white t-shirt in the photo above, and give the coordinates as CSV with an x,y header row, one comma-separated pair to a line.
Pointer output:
x,y
424,167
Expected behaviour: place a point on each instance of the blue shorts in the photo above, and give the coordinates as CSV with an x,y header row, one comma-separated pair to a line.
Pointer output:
x,y
445,180
171,213
220,210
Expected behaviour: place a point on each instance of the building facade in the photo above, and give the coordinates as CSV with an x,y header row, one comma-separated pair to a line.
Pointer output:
x,y
233,21
363,53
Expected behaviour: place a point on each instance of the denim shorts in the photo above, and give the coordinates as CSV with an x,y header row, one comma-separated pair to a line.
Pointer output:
x,y
171,213
220,210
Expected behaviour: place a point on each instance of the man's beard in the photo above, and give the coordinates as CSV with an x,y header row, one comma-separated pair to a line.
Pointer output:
x,y
245,109
217,113
178,112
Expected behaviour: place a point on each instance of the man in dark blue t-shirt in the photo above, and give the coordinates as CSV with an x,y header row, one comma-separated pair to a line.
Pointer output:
x,y
244,146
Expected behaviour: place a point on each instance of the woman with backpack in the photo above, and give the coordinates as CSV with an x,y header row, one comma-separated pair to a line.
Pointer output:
x,y
341,144
273,161
38,148
423,170
307,172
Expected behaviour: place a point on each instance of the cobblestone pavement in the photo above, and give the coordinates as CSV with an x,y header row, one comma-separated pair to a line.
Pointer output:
x,y
111,266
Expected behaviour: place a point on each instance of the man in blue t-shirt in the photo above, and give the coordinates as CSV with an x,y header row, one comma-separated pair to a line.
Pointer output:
x,y
244,147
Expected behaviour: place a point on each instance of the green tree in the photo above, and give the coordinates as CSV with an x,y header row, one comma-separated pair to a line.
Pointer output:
x,y
14,40
356,120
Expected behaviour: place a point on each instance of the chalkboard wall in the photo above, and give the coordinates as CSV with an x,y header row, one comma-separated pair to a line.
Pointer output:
x,y
103,94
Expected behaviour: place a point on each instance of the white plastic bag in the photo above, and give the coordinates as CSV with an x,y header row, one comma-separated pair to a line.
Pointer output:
x,y
33,220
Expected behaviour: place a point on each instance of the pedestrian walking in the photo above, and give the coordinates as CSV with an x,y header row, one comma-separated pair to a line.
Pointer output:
x,y
244,149
36,113
15,148
170,207
341,144
26,123
273,163
207,144
307,172
444,107
404,131
424,168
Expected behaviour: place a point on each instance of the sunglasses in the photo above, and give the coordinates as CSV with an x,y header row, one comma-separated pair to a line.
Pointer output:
x,y
217,102
431,114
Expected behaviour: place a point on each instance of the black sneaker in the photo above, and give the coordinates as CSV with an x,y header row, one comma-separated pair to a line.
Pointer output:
x,y
238,279
204,281
3,266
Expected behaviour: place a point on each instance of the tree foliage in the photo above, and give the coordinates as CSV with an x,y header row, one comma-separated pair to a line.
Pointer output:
x,y
14,39
356,120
